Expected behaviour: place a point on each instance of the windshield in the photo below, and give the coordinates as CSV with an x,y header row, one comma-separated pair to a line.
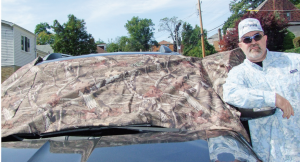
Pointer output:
x,y
152,146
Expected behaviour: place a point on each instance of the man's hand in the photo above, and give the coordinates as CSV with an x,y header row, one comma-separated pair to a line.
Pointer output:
x,y
284,105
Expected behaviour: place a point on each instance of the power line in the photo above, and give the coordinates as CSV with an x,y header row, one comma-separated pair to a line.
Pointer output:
x,y
189,16
215,28
218,18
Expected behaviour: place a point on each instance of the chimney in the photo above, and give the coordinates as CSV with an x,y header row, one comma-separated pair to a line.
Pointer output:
x,y
219,34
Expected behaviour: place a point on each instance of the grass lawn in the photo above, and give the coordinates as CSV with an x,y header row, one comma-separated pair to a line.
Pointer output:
x,y
295,50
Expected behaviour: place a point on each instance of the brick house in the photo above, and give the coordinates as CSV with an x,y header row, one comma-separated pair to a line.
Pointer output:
x,y
286,8
165,43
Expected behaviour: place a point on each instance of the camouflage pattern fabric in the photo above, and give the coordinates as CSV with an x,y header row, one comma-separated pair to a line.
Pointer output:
x,y
171,91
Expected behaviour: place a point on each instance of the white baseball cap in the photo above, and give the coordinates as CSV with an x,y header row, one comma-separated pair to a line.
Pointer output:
x,y
249,25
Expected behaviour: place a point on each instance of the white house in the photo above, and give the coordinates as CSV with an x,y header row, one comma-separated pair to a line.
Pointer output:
x,y
18,48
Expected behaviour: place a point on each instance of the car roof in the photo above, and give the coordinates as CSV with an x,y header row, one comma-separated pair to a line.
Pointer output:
x,y
56,56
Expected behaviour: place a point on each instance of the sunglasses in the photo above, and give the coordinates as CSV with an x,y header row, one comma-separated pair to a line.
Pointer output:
x,y
256,37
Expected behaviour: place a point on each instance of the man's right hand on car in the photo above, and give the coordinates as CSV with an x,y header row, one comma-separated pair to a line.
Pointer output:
x,y
284,105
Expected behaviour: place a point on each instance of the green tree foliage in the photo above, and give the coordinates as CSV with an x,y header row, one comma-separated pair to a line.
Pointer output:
x,y
72,37
43,38
241,6
295,2
99,41
42,27
112,46
168,25
121,44
238,8
230,23
191,41
298,6
288,40
274,25
141,33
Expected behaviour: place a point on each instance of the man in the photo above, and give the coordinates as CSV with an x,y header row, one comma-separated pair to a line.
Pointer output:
x,y
267,79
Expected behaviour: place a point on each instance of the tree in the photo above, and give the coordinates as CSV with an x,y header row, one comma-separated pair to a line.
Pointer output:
x,y
42,27
168,25
295,2
241,6
120,44
99,41
72,37
238,8
43,38
141,33
274,25
230,40
191,40
112,46
230,23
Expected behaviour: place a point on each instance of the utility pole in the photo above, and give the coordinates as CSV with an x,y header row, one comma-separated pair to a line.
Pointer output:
x,y
202,34
176,37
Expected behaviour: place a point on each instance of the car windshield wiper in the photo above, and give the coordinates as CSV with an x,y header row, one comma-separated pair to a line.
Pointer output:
x,y
92,131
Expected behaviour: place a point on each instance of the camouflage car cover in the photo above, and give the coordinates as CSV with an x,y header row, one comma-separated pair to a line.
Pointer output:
x,y
171,91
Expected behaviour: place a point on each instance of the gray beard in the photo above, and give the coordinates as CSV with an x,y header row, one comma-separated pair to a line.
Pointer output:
x,y
255,53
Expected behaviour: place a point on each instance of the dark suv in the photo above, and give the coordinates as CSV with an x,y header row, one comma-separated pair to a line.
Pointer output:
x,y
124,106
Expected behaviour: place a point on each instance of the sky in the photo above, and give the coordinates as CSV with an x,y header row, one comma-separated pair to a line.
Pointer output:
x,y
105,19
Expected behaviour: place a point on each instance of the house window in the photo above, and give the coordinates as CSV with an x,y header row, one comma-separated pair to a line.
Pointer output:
x,y
288,15
25,44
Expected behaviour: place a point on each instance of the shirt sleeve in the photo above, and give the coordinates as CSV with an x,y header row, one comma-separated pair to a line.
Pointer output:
x,y
236,92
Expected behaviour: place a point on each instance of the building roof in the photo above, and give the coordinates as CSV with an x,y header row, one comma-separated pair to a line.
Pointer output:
x,y
215,36
164,42
100,50
12,24
45,48
261,5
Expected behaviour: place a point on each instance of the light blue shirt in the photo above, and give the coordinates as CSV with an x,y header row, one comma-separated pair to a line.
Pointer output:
x,y
251,86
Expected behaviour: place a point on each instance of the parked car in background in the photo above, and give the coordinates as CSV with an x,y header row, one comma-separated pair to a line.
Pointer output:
x,y
133,106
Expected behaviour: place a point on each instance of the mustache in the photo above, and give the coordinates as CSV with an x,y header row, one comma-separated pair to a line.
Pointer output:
x,y
253,45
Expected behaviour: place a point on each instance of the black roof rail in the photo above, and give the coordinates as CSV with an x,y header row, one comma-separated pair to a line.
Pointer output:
x,y
54,56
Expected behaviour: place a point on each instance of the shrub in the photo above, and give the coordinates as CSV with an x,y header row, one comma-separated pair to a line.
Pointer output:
x,y
288,40
296,42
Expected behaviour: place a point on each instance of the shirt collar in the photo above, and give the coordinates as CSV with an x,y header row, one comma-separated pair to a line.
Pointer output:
x,y
266,62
